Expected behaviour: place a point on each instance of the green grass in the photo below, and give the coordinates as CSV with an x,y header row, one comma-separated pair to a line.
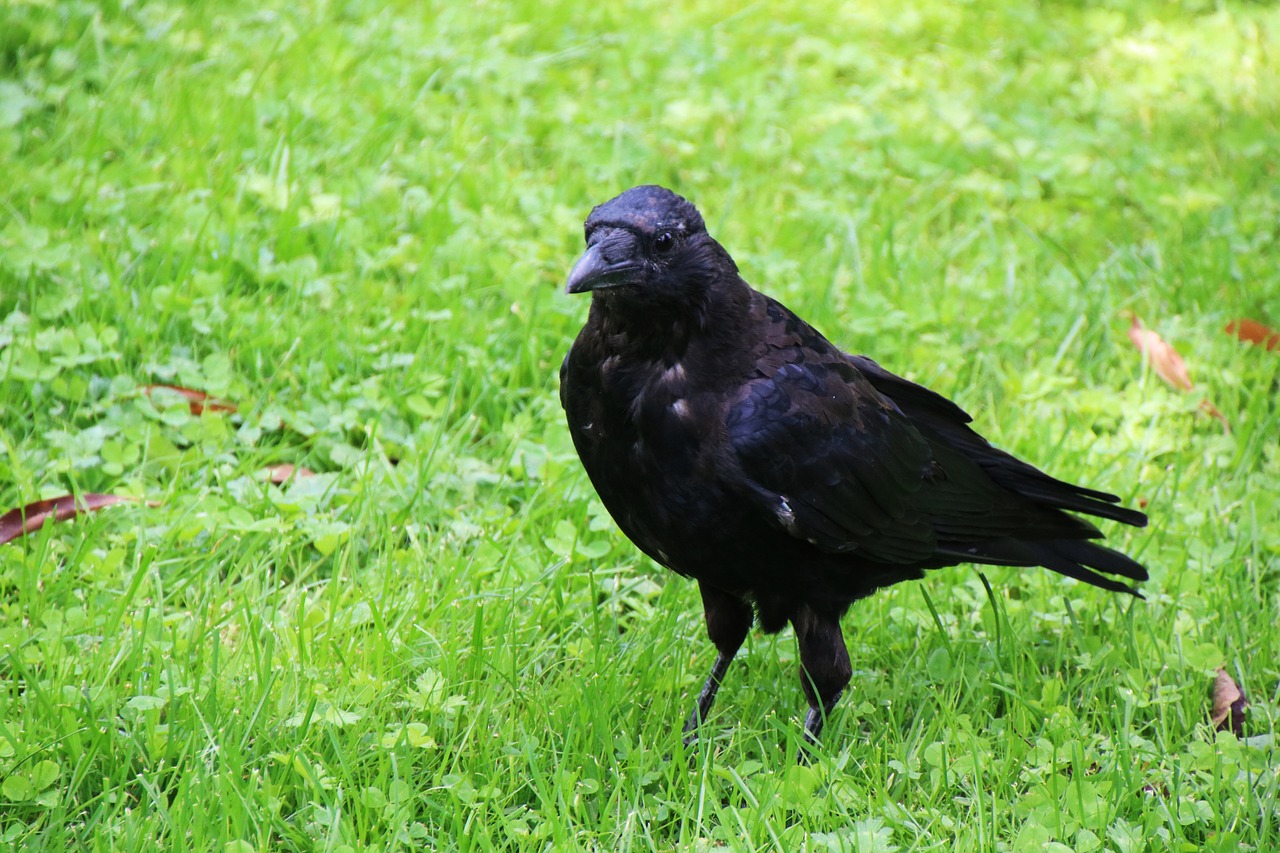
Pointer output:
x,y
354,220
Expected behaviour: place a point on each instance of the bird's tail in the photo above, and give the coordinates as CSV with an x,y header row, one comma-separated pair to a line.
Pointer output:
x,y
1049,491
1076,558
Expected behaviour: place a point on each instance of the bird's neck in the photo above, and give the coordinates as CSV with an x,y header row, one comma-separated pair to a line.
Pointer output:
x,y
646,337
658,333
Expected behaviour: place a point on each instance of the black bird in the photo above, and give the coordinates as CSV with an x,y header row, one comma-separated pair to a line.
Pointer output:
x,y
734,444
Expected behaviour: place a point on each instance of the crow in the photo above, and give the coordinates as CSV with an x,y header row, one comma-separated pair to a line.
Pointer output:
x,y
735,445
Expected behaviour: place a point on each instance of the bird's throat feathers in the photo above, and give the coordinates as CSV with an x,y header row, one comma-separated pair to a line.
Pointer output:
x,y
663,330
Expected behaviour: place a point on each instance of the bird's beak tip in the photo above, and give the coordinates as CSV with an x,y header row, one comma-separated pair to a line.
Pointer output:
x,y
585,272
594,271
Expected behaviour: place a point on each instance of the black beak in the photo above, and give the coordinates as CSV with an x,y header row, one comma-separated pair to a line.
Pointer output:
x,y
599,267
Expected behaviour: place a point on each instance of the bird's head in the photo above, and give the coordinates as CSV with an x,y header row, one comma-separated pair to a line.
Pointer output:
x,y
649,247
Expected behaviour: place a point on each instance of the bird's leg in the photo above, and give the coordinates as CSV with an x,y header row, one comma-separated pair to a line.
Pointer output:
x,y
729,619
824,668
706,697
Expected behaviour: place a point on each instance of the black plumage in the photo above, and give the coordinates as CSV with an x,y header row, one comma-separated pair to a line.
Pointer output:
x,y
732,443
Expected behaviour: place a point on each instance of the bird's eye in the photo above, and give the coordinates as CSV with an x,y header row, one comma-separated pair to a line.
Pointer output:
x,y
664,241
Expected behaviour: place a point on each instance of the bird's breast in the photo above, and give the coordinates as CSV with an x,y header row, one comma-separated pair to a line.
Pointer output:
x,y
648,443
664,423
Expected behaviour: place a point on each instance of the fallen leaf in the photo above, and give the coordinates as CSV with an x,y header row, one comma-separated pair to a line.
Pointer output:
x,y
1166,362
1164,359
1253,332
1212,411
1228,704
199,401
279,474
33,516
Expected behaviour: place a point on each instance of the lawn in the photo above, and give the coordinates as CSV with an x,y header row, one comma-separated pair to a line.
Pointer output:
x,y
352,221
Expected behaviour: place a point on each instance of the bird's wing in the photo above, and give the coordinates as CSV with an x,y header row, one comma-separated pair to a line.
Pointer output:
x,y
836,463
942,422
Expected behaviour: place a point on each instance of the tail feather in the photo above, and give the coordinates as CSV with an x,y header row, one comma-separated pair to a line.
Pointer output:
x,y
1074,558
1100,557
1075,570
1062,495
1070,557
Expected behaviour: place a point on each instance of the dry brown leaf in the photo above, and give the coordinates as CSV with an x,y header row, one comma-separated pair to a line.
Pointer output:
x,y
199,401
279,474
1212,411
33,516
1228,704
1164,359
1166,362
1251,331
